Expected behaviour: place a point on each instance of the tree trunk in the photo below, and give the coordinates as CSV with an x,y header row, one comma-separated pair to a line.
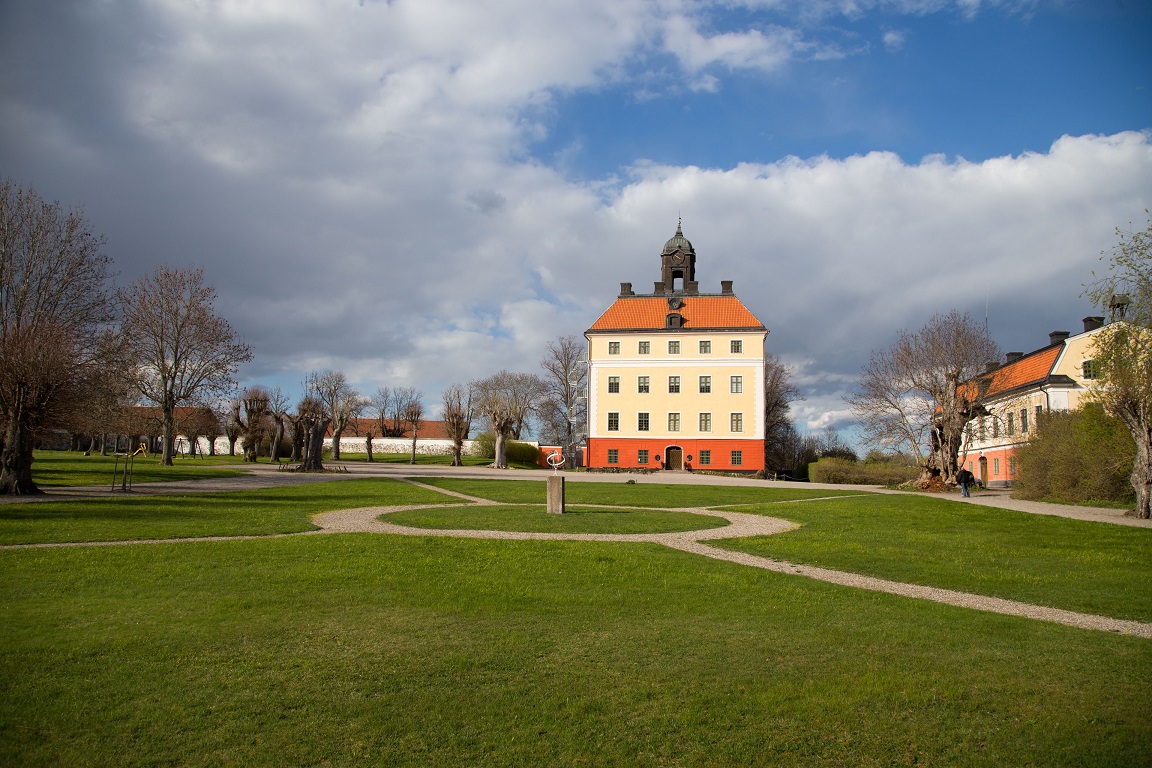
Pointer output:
x,y
277,438
336,443
168,435
413,447
501,461
231,446
16,459
1142,472
314,447
368,447
457,450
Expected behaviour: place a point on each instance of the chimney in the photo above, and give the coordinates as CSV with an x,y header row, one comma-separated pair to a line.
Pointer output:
x,y
626,289
990,366
1092,323
1057,337
1012,357
726,287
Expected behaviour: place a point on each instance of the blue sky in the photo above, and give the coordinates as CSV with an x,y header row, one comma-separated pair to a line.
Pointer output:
x,y
422,192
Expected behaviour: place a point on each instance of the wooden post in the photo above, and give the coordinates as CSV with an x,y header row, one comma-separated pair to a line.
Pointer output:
x,y
556,495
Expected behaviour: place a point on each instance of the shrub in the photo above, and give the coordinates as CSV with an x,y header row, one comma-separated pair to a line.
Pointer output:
x,y
831,470
521,453
485,445
1077,457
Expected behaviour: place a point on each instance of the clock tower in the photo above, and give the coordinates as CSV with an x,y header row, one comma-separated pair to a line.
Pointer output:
x,y
677,267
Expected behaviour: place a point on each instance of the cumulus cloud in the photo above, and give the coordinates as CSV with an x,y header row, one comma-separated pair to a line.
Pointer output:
x,y
357,180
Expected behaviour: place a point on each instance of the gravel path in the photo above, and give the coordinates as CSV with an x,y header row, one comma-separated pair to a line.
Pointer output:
x,y
739,525
365,520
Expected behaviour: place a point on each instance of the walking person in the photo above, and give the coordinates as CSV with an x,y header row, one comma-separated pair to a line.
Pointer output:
x,y
964,478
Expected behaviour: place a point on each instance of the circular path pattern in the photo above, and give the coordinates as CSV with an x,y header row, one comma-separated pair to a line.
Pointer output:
x,y
367,520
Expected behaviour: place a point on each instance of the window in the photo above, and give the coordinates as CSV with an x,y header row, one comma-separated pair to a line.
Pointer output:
x,y
705,458
644,348
705,347
613,347
642,456
1011,465
673,422
736,384
737,458
1011,423
613,421
1039,410
673,384
613,384
737,346
995,427
705,384
1023,421
613,455
737,422
642,422
1091,369
642,385
705,422
673,347
996,466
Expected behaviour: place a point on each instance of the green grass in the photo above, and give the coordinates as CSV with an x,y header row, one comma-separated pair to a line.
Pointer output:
x,y
247,513
1071,564
537,520
377,650
72,468
623,493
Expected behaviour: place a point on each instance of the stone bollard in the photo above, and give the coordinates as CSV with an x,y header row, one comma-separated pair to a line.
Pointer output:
x,y
556,495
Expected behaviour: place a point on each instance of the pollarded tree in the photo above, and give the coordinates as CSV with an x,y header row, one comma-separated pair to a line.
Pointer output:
x,y
457,417
54,304
341,400
1122,351
250,411
507,400
920,392
414,416
184,352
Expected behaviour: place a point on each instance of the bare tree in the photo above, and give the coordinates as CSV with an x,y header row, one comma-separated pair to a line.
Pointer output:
x,y
1123,350
54,303
251,412
414,416
563,406
911,393
779,394
231,428
311,421
278,415
457,417
341,401
507,400
185,353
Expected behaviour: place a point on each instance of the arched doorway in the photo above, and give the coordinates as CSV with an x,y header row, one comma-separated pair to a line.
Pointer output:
x,y
673,457
983,471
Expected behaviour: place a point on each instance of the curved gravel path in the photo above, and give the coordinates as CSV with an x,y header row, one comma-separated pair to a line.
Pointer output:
x,y
367,520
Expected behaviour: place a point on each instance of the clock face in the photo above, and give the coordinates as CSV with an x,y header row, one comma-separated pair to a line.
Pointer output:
x,y
678,260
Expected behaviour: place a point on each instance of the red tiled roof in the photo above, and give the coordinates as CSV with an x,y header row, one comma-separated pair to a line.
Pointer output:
x,y
649,313
1031,368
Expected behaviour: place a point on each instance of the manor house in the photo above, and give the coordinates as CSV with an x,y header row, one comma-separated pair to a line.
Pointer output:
x,y
676,376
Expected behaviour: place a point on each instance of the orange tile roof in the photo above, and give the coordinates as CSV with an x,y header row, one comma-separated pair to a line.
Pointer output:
x,y
1031,368
649,313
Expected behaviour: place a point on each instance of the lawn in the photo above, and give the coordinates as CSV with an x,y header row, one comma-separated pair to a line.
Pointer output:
x,y
535,518
348,649
1070,564
361,649
72,468
246,513
637,494
434,459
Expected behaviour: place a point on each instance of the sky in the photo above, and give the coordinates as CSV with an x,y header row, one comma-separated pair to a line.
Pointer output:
x,y
422,192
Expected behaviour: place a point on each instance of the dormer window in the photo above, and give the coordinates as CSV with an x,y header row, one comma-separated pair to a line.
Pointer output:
x,y
675,321
1091,369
